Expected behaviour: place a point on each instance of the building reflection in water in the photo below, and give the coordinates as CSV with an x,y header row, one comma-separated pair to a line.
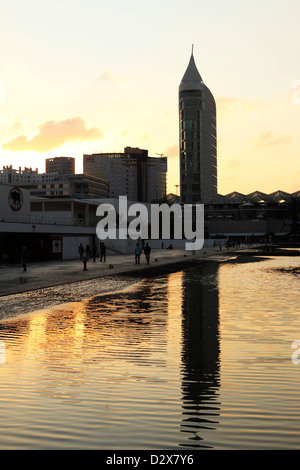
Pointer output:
x,y
137,365
200,353
129,323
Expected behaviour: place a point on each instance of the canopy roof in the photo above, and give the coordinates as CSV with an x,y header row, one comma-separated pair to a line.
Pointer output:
x,y
258,197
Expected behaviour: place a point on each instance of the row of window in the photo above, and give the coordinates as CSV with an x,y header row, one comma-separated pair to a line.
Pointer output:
x,y
51,186
190,167
190,114
190,146
189,125
190,178
191,135
51,193
187,104
190,94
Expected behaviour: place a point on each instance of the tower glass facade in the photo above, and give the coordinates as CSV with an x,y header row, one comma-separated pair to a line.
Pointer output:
x,y
198,147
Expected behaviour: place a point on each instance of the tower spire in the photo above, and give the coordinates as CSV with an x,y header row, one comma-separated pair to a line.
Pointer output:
x,y
192,79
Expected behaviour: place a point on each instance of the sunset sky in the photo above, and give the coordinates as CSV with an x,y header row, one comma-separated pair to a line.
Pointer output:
x,y
83,77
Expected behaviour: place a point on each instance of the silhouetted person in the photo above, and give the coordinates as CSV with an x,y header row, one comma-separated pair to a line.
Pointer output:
x,y
80,251
102,252
137,253
147,251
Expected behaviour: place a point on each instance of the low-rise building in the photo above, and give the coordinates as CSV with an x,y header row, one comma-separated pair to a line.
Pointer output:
x,y
256,216
56,184
50,228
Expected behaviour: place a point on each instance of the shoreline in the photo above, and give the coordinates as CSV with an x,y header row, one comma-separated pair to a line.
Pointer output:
x,y
53,284
58,273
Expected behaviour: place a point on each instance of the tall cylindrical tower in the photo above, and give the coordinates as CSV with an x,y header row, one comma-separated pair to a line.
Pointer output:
x,y
198,138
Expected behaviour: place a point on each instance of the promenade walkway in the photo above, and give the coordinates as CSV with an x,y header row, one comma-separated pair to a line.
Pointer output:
x,y
52,273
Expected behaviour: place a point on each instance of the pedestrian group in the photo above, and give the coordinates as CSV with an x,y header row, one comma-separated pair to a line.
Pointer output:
x,y
85,253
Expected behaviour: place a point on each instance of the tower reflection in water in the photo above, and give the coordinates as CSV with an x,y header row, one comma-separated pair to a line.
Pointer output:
x,y
134,368
200,354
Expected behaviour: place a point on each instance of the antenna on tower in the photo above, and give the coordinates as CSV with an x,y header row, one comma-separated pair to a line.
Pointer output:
x,y
192,49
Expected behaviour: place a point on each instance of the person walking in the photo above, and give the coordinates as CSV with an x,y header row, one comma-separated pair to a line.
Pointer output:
x,y
102,252
147,251
137,253
84,260
80,251
87,252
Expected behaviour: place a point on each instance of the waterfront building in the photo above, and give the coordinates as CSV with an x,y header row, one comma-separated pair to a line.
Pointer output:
x,y
53,227
133,173
79,186
56,184
198,138
256,216
50,228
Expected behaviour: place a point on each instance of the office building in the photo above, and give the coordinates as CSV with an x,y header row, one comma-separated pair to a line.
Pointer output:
x,y
133,173
198,138
61,165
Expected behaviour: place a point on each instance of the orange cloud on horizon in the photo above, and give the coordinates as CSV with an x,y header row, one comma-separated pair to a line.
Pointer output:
x,y
268,138
52,135
226,104
173,151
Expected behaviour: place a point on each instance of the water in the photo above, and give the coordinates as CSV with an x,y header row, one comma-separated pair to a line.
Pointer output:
x,y
199,359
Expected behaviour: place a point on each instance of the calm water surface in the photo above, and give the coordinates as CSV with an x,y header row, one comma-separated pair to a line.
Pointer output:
x,y
199,359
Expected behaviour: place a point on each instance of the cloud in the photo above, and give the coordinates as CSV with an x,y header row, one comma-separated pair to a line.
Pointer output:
x,y
53,134
232,164
173,151
267,139
17,126
228,104
106,76
13,120
225,102
144,137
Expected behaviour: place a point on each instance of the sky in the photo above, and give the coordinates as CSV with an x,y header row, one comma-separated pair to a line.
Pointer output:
x,y
84,77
